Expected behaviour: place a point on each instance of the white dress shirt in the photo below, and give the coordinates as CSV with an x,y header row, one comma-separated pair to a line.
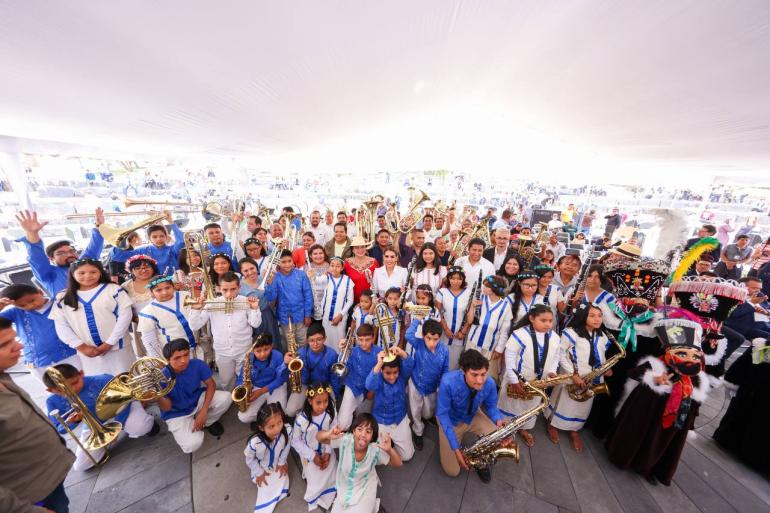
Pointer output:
x,y
231,331
381,282
322,233
472,270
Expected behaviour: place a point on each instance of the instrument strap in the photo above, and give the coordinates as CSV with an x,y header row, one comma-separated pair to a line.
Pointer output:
x,y
539,358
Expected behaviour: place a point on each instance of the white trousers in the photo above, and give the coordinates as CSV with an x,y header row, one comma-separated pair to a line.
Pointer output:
x,y
334,333
182,427
270,494
138,423
39,372
455,350
295,402
420,407
300,334
229,368
352,404
113,362
276,396
401,436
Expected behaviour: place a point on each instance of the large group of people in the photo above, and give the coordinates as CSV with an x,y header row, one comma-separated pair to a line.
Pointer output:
x,y
352,338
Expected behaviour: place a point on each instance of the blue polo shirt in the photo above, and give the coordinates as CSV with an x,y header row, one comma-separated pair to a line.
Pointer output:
x,y
187,390
92,386
390,399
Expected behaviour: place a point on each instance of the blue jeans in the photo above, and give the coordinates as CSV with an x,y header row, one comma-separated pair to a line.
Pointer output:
x,y
57,500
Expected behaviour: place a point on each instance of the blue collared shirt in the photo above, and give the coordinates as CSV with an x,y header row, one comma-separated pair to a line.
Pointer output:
x,y
92,386
452,403
187,389
360,365
390,399
317,367
271,373
294,295
42,346
429,365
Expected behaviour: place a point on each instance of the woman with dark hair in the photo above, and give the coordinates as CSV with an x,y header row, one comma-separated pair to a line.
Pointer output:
x,y
250,288
508,271
583,347
318,274
142,269
596,290
360,267
427,269
452,300
524,295
92,315
548,258
189,275
219,265
389,275
551,294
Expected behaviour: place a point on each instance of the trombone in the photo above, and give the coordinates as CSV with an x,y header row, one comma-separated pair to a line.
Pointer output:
x,y
387,325
100,436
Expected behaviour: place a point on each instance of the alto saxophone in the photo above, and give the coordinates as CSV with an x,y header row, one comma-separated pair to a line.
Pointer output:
x,y
296,363
537,384
584,394
487,449
241,393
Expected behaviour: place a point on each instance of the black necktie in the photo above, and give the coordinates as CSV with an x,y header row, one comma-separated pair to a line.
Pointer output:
x,y
471,398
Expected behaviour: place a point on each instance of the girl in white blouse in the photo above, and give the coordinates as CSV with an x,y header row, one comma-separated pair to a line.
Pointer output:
x,y
389,275
452,299
266,453
428,270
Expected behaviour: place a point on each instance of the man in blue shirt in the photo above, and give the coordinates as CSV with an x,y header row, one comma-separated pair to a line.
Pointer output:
x,y
460,395
218,244
388,382
50,265
194,403
292,289
42,346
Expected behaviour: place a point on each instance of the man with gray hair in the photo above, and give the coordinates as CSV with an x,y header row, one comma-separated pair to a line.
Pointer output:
x,y
502,248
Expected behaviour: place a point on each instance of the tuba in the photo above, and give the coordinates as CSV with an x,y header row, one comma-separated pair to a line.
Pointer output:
x,y
340,367
144,381
584,394
386,323
487,449
240,394
414,215
101,434
296,363
118,236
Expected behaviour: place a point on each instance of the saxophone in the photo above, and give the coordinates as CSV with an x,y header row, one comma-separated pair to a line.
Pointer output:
x,y
296,363
487,449
584,394
537,384
241,393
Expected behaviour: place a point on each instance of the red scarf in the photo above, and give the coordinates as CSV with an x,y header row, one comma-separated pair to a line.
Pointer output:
x,y
680,389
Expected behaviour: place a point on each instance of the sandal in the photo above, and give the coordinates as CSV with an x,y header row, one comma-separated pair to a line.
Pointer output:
x,y
553,434
527,437
575,441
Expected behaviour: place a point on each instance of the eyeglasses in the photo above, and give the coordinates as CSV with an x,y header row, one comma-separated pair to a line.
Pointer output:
x,y
65,252
529,285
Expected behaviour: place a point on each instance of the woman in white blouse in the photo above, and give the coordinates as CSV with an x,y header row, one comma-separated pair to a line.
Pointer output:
x,y
427,270
390,274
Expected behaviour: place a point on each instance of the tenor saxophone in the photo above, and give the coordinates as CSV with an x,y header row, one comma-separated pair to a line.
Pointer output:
x,y
584,394
487,449
241,393
296,363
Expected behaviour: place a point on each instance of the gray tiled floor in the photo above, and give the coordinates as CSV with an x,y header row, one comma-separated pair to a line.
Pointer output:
x,y
152,475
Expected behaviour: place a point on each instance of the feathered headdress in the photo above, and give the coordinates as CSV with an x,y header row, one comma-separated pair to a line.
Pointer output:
x,y
691,256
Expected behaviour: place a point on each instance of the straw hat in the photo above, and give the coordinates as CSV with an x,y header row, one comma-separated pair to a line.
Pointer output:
x,y
359,241
627,250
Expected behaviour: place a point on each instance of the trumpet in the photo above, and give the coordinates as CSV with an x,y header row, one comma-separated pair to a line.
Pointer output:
x,y
272,262
413,216
387,325
219,304
101,435
340,367
295,364
144,381
418,311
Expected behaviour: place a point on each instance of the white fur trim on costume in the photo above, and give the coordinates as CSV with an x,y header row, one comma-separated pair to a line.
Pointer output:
x,y
657,368
715,357
700,390
758,343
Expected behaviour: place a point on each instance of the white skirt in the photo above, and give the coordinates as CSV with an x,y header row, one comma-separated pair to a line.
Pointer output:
x,y
334,333
269,495
511,407
321,487
566,413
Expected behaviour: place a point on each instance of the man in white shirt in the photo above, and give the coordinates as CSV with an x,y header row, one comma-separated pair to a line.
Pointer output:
x,y
554,223
474,261
321,232
556,247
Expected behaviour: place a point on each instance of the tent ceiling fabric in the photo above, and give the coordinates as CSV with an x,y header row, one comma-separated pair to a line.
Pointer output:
x,y
394,83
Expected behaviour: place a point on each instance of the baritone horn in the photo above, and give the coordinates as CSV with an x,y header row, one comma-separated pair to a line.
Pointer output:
x,y
100,436
144,381
119,236
414,215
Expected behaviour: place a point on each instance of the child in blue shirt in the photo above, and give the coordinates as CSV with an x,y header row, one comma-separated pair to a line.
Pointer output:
x,y
136,422
431,362
42,347
194,403
166,255
388,382
361,362
268,378
317,361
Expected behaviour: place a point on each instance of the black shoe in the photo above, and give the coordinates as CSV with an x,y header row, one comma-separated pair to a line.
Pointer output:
x,y
418,442
253,426
155,429
485,474
652,480
216,429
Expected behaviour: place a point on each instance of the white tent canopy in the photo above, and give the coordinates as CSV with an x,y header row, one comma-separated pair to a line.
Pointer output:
x,y
480,86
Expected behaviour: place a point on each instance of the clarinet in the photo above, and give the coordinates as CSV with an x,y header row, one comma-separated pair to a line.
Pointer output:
x,y
475,296
409,271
